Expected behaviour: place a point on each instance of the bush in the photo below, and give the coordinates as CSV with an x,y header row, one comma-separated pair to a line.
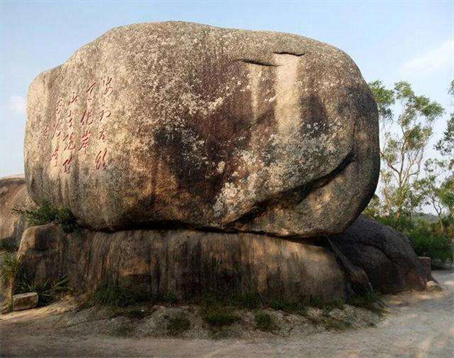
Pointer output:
x,y
263,321
426,237
178,325
216,313
437,247
46,214
370,301
47,292
9,267
113,295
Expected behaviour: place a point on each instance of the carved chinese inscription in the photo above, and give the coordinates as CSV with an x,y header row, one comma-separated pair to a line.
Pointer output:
x,y
78,125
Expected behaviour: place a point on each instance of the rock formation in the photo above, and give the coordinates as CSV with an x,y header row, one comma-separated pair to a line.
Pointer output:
x,y
198,159
384,254
13,195
187,264
164,124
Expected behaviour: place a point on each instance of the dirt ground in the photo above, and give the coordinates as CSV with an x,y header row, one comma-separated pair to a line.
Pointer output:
x,y
416,325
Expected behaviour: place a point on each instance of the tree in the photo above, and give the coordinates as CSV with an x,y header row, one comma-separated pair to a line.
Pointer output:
x,y
430,190
446,144
404,138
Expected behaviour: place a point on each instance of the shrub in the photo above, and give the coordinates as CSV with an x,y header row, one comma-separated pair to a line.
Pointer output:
x,y
48,291
425,243
9,267
297,307
370,301
216,314
113,295
426,237
46,214
178,325
263,321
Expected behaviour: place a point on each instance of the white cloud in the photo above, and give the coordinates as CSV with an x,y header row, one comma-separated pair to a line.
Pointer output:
x,y
431,61
17,104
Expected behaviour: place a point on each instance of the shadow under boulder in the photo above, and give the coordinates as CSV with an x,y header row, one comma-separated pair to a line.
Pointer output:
x,y
385,254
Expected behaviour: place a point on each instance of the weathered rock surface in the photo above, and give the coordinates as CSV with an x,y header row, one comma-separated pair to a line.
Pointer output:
x,y
185,263
25,301
206,127
384,254
13,195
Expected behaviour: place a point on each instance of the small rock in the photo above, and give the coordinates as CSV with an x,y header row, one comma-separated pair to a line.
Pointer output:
x,y
25,301
432,286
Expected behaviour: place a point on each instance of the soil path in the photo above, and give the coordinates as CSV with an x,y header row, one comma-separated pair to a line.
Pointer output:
x,y
418,325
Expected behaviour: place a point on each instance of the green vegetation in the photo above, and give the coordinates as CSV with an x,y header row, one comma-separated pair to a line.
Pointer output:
x,y
48,292
296,307
14,271
302,306
370,301
46,214
178,325
264,321
8,246
409,182
218,317
115,294
9,267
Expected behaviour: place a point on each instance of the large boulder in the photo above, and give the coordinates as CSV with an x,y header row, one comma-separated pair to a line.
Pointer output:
x,y
187,264
384,254
188,124
13,195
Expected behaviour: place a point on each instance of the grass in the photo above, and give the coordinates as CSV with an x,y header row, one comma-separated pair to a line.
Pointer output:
x,y
13,270
47,213
370,301
47,291
178,325
10,267
219,317
300,307
263,321
113,295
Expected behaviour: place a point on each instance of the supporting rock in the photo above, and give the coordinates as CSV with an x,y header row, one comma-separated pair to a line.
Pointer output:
x,y
384,254
184,263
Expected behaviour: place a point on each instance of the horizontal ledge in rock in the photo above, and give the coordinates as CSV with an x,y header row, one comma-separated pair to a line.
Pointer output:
x,y
187,264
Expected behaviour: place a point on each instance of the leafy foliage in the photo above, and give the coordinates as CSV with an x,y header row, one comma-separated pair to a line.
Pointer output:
x,y
178,325
46,214
47,292
426,237
404,137
407,182
264,321
219,316
9,267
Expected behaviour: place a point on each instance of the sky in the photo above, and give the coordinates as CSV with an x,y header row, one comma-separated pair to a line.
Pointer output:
x,y
389,40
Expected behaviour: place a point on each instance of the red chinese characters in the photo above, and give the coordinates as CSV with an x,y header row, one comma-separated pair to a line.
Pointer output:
x,y
85,140
87,118
89,92
100,162
107,86
67,164
75,117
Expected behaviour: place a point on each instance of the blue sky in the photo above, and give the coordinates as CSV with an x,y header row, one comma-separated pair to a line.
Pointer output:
x,y
389,40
